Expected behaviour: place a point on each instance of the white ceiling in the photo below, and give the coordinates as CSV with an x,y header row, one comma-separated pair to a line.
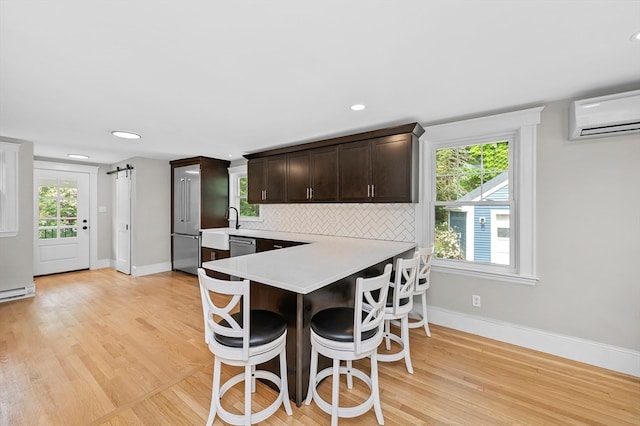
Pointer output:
x,y
223,79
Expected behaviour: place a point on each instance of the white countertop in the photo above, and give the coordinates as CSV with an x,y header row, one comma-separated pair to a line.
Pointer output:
x,y
306,268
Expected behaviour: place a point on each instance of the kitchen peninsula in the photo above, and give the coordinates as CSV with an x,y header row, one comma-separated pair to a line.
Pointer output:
x,y
299,281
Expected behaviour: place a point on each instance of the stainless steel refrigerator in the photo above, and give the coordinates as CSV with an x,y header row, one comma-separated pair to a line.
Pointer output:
x,y
186,218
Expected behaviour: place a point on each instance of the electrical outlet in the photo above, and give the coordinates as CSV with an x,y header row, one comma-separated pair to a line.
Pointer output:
x,y
475,300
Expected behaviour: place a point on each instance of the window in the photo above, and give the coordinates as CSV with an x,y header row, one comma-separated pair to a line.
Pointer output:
x,y
9,189
57,208
479,207
238,183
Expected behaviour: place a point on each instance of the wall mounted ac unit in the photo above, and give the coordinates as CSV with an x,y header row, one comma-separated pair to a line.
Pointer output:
x,y
610,115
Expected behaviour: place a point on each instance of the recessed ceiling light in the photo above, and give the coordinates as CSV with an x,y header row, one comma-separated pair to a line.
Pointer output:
x,y
635,37
125,135
358,107
78,156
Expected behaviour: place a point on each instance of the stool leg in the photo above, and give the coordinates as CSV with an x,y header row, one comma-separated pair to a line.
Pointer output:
x,y
215,389
387,331
424,314
376,388
405,343
349,375
247,395
312,375
335,394
284,382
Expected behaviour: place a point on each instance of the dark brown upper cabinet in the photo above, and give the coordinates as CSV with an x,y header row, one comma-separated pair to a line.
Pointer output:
x,y
379,166
312,175
380,170
267,180
214,190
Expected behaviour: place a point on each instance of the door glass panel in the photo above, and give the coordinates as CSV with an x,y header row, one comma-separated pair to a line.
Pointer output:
x,y
58,208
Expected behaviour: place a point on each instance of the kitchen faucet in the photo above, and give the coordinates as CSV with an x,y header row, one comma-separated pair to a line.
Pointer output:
x,y
237,216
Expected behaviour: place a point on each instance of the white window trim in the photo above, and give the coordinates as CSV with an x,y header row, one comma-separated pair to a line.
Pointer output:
x,y
520,127
9,189
236,172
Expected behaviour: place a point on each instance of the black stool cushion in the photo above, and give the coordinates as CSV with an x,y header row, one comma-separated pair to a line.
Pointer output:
x,y
264,327
337,324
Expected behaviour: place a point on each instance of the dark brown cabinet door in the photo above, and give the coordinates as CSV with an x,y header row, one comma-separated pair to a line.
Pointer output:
x,y
355,172
276,179
323,174
256,181
391,169
312,175
298,165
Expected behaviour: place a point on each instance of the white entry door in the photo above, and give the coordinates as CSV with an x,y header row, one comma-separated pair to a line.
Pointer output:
x,y
61,221
123,221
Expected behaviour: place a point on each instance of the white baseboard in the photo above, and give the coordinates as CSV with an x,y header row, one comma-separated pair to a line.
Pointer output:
x,y
138,271
599,354
102,263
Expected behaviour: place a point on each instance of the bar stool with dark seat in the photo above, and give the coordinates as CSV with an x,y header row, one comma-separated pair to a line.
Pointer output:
x,y
244,338
348,334
423,282
399,304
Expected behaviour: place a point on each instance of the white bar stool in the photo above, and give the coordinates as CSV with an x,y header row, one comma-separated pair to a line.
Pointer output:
x,y
245,338
348,334
422,285
399,304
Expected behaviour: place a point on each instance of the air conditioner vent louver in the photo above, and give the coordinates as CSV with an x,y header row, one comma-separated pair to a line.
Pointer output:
x,y
605,130
610,115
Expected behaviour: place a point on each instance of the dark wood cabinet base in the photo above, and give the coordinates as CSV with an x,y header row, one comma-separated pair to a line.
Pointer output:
x,y
298,309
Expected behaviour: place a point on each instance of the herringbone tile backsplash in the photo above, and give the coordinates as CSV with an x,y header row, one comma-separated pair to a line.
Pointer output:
x,y
393,222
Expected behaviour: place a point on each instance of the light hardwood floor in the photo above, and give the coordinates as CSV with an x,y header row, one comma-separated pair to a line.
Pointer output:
x,y
102,348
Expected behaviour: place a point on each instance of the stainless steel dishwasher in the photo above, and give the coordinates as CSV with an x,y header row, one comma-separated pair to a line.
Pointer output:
x,y
239,246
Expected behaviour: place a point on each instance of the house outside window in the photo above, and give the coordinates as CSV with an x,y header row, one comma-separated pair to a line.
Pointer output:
x,y
238,195
479,189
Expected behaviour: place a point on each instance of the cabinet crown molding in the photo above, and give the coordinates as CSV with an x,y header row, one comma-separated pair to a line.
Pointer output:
x,y
413,128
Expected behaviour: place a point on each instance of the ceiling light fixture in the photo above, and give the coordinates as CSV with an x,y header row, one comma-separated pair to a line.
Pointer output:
x,y
125,135
78,156
635,37
358,107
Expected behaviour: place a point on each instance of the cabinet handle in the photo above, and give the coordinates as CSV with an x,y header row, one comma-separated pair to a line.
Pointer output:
x,y
265,195
368,191
307,193
373,191
213,255
311,193
275,246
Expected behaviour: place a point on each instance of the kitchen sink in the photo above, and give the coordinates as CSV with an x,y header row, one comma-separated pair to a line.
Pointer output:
x,y
216,239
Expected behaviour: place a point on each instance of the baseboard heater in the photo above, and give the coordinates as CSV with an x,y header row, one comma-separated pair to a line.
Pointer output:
x,y
17,293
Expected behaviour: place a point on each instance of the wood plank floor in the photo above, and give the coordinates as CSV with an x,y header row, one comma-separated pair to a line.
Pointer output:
x,y
103,348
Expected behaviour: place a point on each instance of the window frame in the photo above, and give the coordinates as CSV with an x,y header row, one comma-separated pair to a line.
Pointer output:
x,y
9,189
520,129
235,173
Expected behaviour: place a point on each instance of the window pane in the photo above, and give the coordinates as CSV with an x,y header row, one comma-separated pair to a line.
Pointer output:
x,y
69,208
242,186
48,208
48,187
249,210
471,172
44,234
475,233
68,232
